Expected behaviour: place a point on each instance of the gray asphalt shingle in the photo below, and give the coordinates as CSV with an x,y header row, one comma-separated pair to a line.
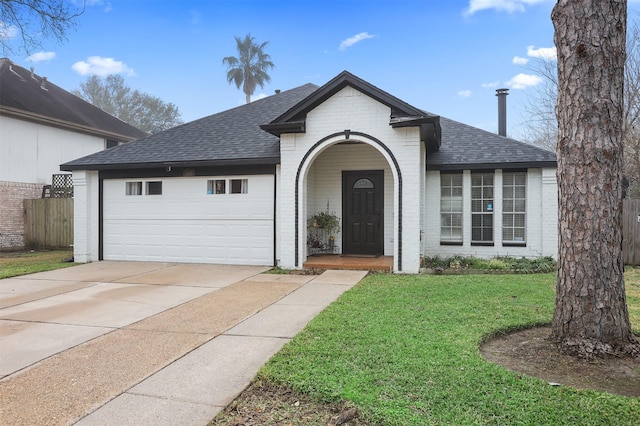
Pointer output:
x,y
22,93
467,147
234,137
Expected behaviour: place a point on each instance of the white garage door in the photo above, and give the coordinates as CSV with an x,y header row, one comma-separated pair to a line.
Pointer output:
x,y
225,220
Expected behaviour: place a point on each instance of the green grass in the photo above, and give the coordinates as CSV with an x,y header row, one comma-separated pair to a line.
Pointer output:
x,y
22,263
404,349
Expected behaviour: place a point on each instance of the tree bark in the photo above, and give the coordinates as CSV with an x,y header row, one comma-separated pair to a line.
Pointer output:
x,y
590,317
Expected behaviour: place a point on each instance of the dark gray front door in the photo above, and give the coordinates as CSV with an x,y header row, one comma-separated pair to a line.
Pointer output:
x,y
362,212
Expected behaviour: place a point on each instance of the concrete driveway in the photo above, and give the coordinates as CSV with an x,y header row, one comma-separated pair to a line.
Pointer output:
x,y
145,343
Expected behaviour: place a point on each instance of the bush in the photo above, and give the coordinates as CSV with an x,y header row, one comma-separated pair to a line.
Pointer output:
x,y
501,263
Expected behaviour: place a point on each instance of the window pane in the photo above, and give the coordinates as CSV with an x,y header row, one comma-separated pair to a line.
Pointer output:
x,y
520,192
133,188
520,178
507,192
519,206
518,220
238,186
507,234
216,186
154,188
507,220
363,183
507,205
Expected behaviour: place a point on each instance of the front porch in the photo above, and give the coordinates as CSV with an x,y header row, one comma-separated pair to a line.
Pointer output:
x,y
336,261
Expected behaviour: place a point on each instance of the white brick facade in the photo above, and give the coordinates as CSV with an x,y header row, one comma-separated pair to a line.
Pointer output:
x,y
541,218
310,159
340,128
86,217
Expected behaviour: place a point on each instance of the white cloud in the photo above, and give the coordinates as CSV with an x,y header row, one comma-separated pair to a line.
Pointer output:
x,y
542,52
490,85
41,56
522,81
7,31
464,93
355,39
97,65
509,6
518,60
258,96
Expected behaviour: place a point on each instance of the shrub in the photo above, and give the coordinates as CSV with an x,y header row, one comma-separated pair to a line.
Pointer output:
x,y
501,263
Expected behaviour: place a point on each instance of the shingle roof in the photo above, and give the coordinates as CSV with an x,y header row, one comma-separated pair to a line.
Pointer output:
x,y
22,95
467,147
235,137
226,138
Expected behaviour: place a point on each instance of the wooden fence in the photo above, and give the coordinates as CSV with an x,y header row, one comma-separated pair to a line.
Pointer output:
x,y
48,222
631,232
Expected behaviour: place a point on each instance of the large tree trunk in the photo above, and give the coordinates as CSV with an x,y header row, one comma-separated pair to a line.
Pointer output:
x,y
590,317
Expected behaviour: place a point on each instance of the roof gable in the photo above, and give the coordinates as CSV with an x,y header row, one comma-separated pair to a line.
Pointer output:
x,y
402,113
25,95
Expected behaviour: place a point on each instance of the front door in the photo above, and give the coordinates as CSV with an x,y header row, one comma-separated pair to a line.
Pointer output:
x,y
362,212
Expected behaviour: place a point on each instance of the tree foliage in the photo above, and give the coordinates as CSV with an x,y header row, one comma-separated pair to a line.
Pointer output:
x,y
111,94
541,126
590,316
249,68
32,21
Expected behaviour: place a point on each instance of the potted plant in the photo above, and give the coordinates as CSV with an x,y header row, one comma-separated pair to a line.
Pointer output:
x,y
326,220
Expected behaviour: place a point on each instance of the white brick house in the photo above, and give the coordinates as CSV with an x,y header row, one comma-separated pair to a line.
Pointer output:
x,y
239,186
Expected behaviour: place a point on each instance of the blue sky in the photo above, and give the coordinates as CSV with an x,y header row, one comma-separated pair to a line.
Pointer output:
x,y
444,56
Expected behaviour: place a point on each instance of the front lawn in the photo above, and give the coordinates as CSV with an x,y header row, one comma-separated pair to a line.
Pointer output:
x,y
13,264
404,350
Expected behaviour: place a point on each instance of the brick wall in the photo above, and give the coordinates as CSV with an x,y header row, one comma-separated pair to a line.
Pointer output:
x,y
12,212
541,219
351,109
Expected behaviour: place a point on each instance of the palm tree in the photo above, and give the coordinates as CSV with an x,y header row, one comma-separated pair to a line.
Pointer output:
x,y
250,67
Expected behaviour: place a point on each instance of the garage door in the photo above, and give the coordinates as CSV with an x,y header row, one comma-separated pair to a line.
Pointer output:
x,y
225,219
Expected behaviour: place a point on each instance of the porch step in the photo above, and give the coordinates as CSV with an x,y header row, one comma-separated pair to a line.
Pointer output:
x,y
336,261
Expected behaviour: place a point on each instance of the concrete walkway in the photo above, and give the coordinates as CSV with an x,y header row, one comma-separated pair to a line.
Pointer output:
x,y
136,343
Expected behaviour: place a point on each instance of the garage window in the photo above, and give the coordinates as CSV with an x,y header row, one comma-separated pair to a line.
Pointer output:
x,y
216,186
154,188
239,186
133,188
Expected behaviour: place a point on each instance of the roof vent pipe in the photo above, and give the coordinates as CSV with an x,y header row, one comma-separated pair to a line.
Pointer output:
x,y
33,76
43,86
502,111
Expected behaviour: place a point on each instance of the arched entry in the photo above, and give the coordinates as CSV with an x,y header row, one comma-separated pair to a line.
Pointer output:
x,y
394,197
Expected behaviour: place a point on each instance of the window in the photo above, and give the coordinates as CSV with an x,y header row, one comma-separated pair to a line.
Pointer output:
x,y
451,208
238,186
514,197
133,188
482,208
154,188
111,143
217,186
363,183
